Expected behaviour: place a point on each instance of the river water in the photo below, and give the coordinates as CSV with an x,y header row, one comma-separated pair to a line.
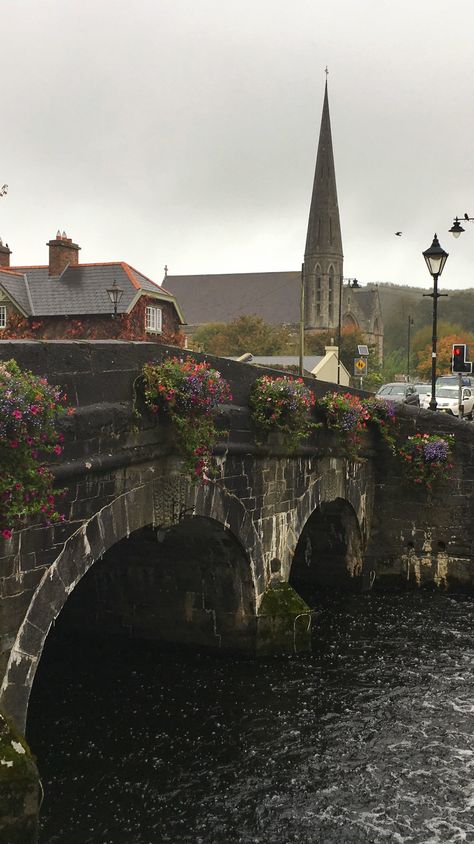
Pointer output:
x,y
369,739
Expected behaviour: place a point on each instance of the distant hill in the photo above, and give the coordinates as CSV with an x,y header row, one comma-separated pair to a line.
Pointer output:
x,y
399,302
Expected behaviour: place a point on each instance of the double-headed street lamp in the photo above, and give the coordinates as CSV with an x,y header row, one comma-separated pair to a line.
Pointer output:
x,y
457,229
435,258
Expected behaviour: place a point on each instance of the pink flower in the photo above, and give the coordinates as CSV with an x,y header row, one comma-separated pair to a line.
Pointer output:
x,y
7,533
34,409
17,414
57,449
14,443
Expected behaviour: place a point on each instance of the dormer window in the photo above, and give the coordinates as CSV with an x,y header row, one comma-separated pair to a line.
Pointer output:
x,y
153,320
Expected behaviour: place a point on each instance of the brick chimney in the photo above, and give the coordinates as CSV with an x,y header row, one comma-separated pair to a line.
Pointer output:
x,y
62,251
5,253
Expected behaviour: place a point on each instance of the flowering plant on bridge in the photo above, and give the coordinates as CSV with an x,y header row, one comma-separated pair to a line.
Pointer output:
x,y
29,408
381,414
282,404
346,414
188,391
427,458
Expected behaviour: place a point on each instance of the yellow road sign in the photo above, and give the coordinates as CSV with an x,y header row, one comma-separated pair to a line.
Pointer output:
x,y
360,366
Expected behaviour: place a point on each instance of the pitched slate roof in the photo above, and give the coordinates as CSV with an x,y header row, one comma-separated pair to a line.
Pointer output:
x,y
80,289
273,296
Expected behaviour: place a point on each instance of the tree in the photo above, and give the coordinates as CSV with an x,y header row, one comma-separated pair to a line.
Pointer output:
x,y
444,349
244,334
350,339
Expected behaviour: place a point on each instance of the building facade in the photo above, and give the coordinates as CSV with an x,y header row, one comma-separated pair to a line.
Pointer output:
x,y
68,300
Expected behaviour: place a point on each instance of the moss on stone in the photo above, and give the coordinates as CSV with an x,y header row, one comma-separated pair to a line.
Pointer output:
x,y
280,599
19,787
283,623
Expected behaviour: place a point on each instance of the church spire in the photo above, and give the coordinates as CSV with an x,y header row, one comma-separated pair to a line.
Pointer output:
x,y
323,254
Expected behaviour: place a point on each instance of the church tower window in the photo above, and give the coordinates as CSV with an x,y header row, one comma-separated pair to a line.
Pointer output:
x,y
331,294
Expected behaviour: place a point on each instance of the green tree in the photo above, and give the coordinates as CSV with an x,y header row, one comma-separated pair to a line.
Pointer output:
x,y
350,339
244,334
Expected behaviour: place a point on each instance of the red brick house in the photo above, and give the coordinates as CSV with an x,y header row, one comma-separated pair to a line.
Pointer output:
x,y
69,300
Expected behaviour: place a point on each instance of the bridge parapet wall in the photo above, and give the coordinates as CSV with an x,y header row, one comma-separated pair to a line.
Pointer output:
x,y
421,537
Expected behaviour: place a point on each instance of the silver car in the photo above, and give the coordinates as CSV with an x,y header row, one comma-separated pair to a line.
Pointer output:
x,y
399,391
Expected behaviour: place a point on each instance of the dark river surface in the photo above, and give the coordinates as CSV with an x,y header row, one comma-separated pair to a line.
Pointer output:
x,y
369,739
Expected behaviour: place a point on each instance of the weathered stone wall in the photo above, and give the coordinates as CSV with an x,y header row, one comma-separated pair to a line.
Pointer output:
x,y
418,537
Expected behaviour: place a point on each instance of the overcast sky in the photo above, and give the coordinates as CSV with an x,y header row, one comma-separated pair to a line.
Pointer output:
x,y
185,131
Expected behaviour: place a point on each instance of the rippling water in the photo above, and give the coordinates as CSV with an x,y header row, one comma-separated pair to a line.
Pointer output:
x,y
370,739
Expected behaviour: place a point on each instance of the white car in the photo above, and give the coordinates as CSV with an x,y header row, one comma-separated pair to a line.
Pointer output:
x,y
447,401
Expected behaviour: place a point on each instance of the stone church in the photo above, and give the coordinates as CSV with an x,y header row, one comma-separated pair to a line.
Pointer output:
x,y
330,300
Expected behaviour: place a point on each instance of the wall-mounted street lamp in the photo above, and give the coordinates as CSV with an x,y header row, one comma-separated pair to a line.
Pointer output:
x,y
457,229
435,258
115,294
411,322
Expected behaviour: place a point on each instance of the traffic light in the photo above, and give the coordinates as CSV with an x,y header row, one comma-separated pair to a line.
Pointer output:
x,y
460,364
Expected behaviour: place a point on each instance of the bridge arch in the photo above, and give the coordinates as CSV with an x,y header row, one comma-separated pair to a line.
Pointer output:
x,y
329,553
130,512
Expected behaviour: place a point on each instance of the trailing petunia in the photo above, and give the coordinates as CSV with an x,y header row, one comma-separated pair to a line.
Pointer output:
x,y
188,392
282,404
427,458
29,410
346,414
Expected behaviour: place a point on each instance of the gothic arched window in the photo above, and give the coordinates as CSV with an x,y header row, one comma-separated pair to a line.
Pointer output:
x,y
318,289
331,293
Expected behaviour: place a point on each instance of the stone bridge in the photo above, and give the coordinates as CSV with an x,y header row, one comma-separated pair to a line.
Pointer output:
x,y
236,564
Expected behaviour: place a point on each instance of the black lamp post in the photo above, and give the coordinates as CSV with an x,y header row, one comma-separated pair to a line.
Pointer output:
x,y
411,322
435,258
115,295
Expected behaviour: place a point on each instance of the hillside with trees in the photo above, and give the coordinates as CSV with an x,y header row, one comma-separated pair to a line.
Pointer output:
x,y
455,325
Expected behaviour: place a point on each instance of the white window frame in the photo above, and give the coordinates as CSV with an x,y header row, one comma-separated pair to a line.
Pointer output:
x,y
153,319
3,316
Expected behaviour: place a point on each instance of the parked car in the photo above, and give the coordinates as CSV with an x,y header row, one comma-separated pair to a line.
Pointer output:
x,y
447,398
399,391
453,381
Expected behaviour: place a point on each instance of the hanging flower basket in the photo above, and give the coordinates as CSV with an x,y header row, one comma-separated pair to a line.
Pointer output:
x,y
382,416
281,405
346,414
427,458
29,410
187,393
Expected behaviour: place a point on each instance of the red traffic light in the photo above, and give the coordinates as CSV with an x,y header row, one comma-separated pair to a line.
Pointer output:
x,y
459,357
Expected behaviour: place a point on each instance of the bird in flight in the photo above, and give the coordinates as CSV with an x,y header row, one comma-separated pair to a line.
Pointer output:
x,y
398,234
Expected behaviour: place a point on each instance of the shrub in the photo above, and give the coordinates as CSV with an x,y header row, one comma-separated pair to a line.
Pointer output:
x,y
282,404
29,408
187,392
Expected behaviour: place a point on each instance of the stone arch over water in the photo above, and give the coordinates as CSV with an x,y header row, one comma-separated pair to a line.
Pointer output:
x,y
136,510
329,553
